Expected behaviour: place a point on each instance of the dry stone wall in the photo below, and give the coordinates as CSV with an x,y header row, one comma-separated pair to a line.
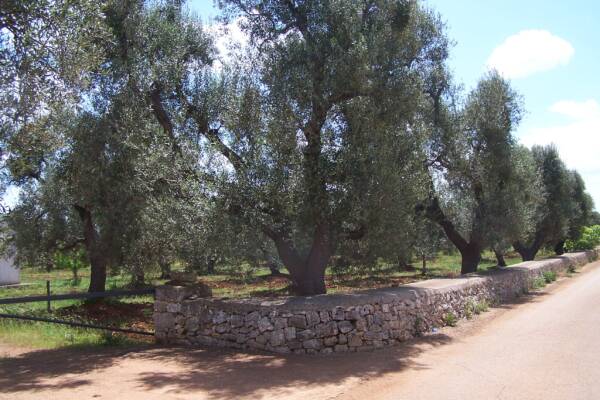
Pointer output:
x,y
339,323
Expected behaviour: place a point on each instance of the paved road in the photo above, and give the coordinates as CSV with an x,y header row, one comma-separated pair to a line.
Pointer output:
x,y
546,347
546,350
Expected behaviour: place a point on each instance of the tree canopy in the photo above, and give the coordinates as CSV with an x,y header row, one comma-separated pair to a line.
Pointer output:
x,y
329,134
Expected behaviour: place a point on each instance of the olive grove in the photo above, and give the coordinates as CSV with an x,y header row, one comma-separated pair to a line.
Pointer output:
x,y
334,133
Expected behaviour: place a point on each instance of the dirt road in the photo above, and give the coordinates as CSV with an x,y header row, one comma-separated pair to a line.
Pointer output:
x,y
544,347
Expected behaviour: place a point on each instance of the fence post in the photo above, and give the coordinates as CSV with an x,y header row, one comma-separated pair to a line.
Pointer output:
x,y
48,294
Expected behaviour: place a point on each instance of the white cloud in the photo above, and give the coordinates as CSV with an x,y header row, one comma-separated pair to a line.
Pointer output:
x,y
586,110
578,140
528,52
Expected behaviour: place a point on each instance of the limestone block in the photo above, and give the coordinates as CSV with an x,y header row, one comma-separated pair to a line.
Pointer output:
x,y
305,334
163,321
345,326
341,348
290,333
192,324
264,324
219,317
355,340
277,338
298,321
338,314
326,329
324,315
312,318
311,344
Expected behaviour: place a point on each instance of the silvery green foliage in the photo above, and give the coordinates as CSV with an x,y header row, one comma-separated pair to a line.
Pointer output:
x,y
48,52
484,168
98,152
582,206
324,120
521,200
485,187
311,134
120,148
566,204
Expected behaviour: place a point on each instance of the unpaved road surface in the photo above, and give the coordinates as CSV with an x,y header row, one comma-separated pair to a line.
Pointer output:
x,y
546,346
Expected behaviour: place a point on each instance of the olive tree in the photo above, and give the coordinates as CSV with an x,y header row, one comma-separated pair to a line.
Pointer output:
x,y
98,150
521,198
308,129
471,164
594,218
48,50
551,220
580,215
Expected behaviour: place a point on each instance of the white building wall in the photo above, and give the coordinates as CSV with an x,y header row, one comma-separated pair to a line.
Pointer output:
x,y
9,273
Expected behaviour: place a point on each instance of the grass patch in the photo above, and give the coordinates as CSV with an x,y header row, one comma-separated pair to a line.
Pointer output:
x,y
469,309
549,276
244,280
475,308
132,313
538,283
47,336
481,307
44,335
450,319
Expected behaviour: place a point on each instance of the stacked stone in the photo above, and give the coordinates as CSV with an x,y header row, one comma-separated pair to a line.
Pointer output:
x,y
341,323
340,329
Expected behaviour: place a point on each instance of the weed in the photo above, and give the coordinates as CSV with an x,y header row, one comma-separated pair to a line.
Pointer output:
x,y
549,276
481,307
538,283
418,326
469,309
113,339
450,319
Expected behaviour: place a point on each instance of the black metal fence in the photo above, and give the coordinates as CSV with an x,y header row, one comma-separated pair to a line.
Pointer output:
x,y
48,298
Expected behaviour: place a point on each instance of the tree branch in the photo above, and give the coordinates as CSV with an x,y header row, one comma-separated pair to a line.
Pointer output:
x,y
212,134
162,116
434,212
71,245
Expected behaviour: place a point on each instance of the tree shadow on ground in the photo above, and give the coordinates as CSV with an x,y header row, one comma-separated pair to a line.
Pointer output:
x,y
30,370
229,375
220,373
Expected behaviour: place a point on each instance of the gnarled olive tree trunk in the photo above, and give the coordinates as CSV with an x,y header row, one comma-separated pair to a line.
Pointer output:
x,y
470,251
308,272
470,257
528,253
96,256
500,258
559,248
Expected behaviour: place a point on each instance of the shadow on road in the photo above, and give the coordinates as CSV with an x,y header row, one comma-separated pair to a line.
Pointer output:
x,y
221,373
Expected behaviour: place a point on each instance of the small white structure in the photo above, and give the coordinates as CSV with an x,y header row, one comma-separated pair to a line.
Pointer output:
x,y
9,272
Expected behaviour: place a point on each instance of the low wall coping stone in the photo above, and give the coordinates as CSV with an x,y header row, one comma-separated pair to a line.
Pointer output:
x,y
409,292
324,324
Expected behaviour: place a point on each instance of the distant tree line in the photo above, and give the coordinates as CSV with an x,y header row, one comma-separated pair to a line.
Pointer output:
x,y
335,135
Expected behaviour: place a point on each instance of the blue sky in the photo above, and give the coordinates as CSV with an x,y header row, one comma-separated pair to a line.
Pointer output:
x,y
562,101
550,51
